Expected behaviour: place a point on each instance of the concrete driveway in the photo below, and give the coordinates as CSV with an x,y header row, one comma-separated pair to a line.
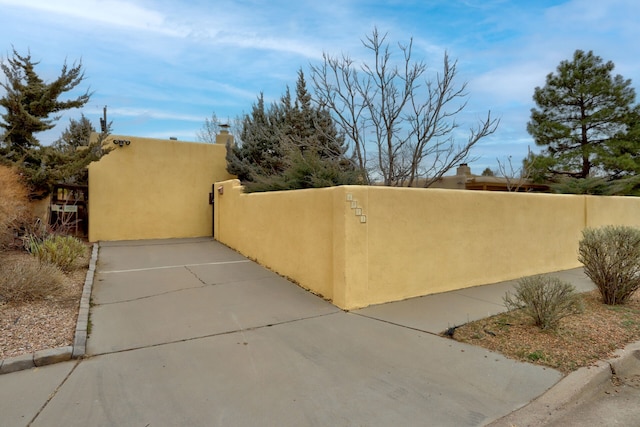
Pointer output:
x,y
189,332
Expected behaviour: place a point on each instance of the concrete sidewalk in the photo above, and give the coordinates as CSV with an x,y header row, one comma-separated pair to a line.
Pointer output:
x,y
189,332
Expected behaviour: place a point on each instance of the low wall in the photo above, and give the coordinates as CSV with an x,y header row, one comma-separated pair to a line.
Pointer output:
x,y
612,210
359,245
153,189
431,241
288,231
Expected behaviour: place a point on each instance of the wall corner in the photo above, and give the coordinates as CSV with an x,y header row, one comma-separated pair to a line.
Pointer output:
x,y
351,244
224,192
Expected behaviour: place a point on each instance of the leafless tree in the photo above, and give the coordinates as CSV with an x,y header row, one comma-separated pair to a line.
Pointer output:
x,y
212,127
209,130
515,178
411,118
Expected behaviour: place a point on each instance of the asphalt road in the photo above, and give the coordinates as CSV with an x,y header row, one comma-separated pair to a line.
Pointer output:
x,y
616,403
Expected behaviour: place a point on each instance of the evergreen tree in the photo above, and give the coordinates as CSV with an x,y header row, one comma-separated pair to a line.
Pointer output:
x,y
582,117
313,128
291,144
70,155
620,156
259,152
77,134
64,162
31,106
29,101
488,172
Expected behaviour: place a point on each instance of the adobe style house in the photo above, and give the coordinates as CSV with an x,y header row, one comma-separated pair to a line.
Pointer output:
x,y
465,180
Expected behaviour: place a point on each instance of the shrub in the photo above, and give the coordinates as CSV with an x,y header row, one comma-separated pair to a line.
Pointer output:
x,y
14,206
545,299
39,230
611,258
27,279
63,251
306,170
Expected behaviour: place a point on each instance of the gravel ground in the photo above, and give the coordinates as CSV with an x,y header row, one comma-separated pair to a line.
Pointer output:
x,y
32,326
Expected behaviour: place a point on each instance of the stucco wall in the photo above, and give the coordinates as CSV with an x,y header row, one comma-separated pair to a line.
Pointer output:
x,y
289,230
359,245
612,210
152,189
427,241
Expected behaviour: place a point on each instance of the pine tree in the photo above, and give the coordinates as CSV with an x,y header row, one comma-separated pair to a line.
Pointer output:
x,y
31,106
29,101
583,113
260,152
620,156
77,134
313,128
68,158
65,161
291,144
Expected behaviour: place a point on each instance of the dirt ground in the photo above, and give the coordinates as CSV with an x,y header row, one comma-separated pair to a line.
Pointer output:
x,y
580,339
27,327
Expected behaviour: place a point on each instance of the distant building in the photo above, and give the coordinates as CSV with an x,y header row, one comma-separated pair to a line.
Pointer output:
x,y
465,180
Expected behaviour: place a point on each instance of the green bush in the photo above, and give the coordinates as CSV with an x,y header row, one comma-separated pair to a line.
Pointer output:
x,y
27,279
308,170
611,258
63,251
545,299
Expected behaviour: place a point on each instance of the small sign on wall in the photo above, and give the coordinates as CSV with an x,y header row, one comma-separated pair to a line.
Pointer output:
x,y
64,208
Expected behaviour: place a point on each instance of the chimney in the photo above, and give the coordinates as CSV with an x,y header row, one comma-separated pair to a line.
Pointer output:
x,y
463,169
223,137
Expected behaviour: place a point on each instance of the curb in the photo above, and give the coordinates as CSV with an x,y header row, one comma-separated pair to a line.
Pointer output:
x,y
61,354
579,384
80,339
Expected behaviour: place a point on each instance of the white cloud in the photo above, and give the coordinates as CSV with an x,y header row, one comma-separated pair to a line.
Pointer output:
x,y
153,114
114,13
510,84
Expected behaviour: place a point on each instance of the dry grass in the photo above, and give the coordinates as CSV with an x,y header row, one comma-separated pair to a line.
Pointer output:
x,y
14,203
580,340
30,324
25,279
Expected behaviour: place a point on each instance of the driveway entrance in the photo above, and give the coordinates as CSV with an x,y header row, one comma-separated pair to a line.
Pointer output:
x,y
189,332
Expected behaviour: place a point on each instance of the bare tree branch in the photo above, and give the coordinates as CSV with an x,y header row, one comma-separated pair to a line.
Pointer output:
x,y
515,178
411,118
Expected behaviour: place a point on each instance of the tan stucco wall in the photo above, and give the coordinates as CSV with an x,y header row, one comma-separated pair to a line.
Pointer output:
x,y
427,241
404,242
612,210
289,230
153,189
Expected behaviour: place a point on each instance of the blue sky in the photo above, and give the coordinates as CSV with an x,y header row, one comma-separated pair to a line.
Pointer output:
x,y
163,66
